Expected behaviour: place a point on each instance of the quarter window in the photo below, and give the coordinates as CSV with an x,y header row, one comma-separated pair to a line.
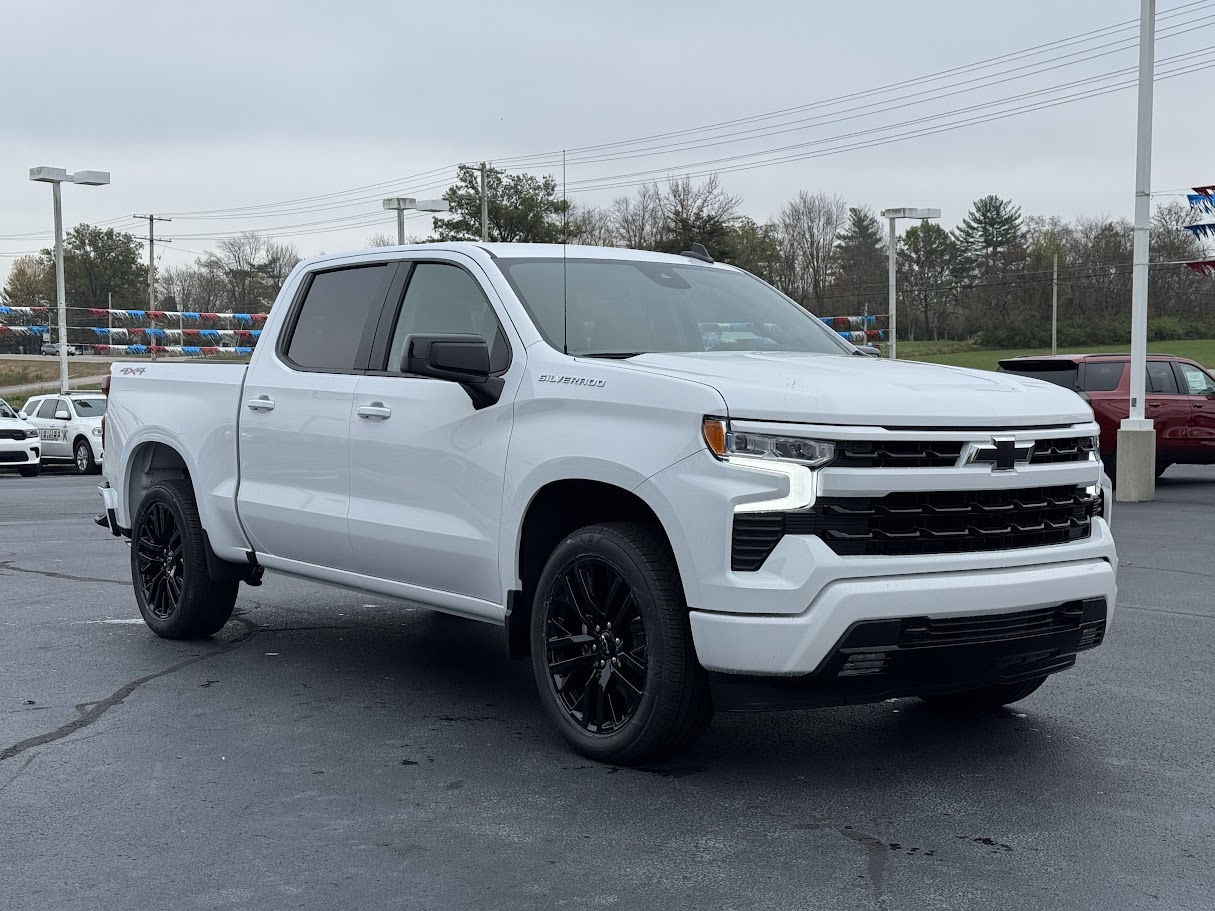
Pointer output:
x,y
333,318
1102,376
47,409
444,299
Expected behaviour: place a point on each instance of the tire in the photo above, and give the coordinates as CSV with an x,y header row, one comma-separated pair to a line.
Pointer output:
x,y
82,457
987,697
648,696
176,595
29,471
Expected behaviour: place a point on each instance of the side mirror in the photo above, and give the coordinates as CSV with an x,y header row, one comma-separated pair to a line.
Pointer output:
x,y
23,415
870,350
460,358
62,416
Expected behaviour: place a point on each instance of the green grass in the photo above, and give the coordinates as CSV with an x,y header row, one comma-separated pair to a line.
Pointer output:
x,y
964,354
20,373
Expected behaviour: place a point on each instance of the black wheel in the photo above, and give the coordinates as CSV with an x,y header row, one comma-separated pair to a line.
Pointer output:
x,y
82,457
177,597
987,697
612,647
29,471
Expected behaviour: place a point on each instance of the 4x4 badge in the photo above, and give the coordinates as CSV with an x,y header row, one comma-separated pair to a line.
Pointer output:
x,y
1003,453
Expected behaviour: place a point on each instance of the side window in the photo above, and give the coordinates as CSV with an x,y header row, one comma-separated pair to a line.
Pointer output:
x,y
442,298
1102,376
1160,379
65,405
1197,382
47,409
330,324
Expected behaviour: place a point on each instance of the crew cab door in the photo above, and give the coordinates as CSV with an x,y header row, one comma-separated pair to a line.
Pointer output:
x,y
1200,389
294,423
426,467
1169,409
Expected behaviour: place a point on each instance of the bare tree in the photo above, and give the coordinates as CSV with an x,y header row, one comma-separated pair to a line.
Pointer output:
x,y
592,225
806,230
254,268
638,218
381,240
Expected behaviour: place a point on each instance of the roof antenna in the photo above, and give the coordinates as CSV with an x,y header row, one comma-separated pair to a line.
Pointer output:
x,y
565,236
699,252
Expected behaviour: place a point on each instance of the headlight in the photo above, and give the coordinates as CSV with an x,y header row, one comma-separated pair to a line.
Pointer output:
x,y
30,433
96,431
723,443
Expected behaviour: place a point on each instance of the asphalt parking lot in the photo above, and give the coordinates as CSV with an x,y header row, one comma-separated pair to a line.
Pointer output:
x,y
329,750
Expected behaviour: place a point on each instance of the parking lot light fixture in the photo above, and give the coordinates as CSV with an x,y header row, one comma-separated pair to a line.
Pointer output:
x,y
55,177
894,215
402,203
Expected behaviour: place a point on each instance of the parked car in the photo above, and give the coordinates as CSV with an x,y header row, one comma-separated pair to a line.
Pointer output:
x,y
52,349
19,444
70,427
1180,400
557,441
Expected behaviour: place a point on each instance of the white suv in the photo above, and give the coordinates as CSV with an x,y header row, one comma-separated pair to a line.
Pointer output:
x,y
70,427
19,446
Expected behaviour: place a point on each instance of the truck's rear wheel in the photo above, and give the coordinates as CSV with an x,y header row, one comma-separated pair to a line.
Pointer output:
x,y
987,697
177,596
612,648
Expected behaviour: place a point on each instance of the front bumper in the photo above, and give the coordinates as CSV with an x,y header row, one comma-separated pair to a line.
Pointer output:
x,y
15,453
796,645
886,659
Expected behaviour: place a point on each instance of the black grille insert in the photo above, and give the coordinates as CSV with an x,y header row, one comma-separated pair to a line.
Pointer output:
x,y
930,522
896,454
12,435
1067,449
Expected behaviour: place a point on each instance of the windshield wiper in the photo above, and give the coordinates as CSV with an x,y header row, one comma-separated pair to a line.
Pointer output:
x,y
615,355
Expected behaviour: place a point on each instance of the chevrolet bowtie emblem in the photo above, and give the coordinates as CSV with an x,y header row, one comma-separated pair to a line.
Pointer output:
x,y
1003,453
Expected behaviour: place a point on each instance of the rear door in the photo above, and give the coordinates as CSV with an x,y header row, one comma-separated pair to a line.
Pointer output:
x,y
1200,390
295,419
1169,409
427,468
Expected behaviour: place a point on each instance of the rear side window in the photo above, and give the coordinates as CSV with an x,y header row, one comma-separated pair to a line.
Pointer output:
x,y
47,409
333,318
1160,378
1061,373
1102,376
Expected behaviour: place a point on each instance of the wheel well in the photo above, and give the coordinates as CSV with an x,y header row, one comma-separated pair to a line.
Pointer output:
x,y
150,463
555,511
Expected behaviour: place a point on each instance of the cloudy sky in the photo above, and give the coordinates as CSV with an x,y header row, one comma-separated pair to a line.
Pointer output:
x,y
296,119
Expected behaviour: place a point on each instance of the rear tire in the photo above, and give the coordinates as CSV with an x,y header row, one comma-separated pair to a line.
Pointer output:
x,y
176,595
628,694
987,697
29,471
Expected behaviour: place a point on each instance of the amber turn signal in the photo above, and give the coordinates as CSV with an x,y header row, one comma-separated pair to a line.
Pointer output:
x,y
714,430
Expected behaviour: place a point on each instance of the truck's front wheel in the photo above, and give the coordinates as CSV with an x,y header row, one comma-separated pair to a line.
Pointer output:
x,y
177,596
612,648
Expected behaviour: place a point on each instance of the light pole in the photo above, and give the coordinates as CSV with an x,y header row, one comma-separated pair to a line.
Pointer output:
x,y
401,203
56,176
894,215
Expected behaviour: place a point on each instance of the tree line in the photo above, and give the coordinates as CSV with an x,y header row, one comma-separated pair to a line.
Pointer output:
x,y
989,279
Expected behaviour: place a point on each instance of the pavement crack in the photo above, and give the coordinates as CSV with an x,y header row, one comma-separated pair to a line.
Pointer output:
x,y
90,712
19,772
7,565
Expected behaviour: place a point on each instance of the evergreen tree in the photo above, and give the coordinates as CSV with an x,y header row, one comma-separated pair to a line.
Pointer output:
x,y
860,263
992,227
522,208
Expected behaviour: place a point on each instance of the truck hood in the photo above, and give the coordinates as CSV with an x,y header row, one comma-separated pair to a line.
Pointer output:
x,y
835,389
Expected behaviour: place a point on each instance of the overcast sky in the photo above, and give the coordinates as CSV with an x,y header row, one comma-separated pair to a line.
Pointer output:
x,y
222,105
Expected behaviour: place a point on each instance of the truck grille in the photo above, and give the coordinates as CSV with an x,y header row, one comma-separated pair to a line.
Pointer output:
x,y
945,454
931,522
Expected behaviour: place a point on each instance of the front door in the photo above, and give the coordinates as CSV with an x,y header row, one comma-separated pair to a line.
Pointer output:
x,y
426,467
52,429
1169,409
295,419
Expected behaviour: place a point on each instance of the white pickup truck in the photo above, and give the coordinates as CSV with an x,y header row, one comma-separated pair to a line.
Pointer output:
x,y
674,488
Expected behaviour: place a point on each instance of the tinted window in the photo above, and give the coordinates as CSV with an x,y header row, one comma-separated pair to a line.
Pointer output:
x,y
1160,378
89,408
636,306
1058,372
445,299
47,409
334,316
6,411
1102,376
1197,382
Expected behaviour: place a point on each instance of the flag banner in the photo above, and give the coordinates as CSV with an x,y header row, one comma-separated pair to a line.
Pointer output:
x,y
171,350
225,334
1201,230
21,311
875,335
1208,190
23,330
849,323
162,315
1203,267
1201,203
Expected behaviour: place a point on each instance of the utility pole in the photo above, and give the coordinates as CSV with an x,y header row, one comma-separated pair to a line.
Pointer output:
x,y
1136,465
151,238
484,208
1054,308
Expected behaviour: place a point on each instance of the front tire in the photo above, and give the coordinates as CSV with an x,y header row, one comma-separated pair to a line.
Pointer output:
x,y
82,457
987,697
176,595
612,647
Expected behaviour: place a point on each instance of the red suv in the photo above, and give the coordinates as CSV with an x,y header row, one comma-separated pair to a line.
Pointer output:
x,y
1180,399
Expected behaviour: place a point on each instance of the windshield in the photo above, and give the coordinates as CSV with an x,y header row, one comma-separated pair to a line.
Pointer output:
x,y
90,408
624,307
6,411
